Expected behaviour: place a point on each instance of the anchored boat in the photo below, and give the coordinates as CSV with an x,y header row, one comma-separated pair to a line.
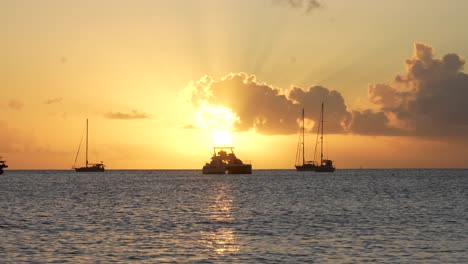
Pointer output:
x,y
225,161
89,167
325,165
305,165
2,165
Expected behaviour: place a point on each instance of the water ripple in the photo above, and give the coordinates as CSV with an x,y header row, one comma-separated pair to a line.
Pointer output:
x,y
351,216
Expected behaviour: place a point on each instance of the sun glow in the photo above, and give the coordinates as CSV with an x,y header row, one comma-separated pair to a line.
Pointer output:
x,y
222,138
218,120
215,117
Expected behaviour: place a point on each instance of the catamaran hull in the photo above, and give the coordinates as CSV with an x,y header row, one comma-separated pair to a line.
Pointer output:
x,y
239,169
229,169
210,169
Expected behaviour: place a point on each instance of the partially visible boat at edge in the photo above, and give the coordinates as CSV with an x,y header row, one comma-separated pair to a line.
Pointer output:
x,y
2,165
89,167
223,162
325,165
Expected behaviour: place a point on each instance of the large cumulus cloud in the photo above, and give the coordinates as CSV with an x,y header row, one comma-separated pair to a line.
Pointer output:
x,y
267,109
429,99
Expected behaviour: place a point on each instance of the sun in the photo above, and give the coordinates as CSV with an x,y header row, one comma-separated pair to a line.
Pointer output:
x,y
219,121
214,117
222,138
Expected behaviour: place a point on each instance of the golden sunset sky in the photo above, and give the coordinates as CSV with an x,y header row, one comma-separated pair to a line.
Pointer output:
x,y
163,81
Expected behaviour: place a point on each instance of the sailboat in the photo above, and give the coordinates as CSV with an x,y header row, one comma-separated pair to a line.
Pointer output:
x,y
90,167
304,165
325,165
2,165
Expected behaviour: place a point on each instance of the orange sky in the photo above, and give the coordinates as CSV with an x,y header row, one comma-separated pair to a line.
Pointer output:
x,y
160,81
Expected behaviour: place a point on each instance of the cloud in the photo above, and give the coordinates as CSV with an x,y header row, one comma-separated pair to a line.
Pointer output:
x,y
134,114
267,109
370,122
337,117
429,99
53,100
15,104
308,5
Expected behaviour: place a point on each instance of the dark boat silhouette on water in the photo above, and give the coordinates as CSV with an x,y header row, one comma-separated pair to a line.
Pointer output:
x,y
325,165
223,162
89,167
306,165
2,165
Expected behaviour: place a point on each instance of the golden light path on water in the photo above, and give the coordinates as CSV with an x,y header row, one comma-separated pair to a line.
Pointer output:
x,y
221,240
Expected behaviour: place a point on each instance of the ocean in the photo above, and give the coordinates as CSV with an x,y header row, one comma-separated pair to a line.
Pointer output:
x,y
271,216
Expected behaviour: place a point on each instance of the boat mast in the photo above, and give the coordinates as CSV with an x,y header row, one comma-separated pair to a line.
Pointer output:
x,y
321,136
86,142
303,153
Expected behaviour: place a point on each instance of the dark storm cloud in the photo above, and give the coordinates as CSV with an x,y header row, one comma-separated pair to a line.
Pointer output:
x,y
134,114
268,109
429,99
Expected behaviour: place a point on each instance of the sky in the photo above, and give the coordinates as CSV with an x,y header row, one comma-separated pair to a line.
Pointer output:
x,y
164,81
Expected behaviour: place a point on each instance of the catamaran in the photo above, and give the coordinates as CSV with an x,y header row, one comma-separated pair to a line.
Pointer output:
x,y
89,167
223,162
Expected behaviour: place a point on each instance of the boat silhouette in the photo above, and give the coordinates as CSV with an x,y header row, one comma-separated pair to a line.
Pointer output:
x,y
223,162
2,165
303,164
89,167
325,165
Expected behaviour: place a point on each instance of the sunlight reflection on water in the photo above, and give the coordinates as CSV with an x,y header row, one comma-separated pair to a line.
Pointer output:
x,y
222,240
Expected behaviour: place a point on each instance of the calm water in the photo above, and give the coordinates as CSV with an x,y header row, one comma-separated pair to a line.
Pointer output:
x,y
271,216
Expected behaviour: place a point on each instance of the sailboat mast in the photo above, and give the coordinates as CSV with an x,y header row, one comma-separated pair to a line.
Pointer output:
x,y
86,142
321,136
303,143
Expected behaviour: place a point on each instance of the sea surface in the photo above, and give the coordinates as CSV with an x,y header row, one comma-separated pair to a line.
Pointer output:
x,y
271,216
